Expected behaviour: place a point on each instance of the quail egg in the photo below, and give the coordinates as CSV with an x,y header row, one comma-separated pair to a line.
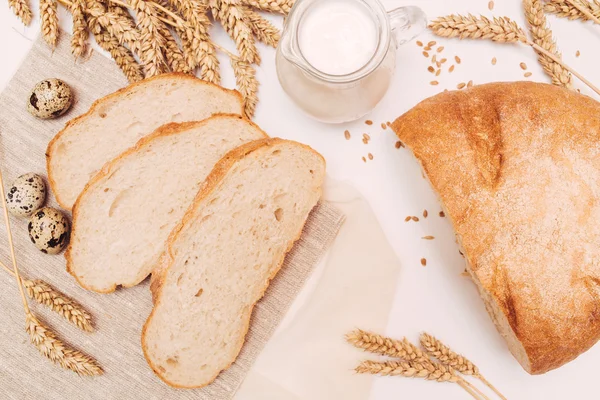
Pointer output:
x,y
26,195
49,230
50,98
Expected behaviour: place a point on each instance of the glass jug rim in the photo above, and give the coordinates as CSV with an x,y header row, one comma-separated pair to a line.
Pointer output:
x,y
380,17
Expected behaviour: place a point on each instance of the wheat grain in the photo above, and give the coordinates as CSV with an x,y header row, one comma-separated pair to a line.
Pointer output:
x,y
386,346
49,21
565,9
21,9
247,84
231,16
198,48
58,302
151,40
499,29
274,6
80,31
542,36
51,347
264,30
122,56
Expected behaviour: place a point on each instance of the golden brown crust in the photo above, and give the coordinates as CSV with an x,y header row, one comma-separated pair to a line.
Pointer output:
x,y
218,173
517,168
165,130
100,102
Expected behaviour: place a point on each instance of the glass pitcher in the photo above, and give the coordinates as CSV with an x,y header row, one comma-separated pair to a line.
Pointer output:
x,y
341,98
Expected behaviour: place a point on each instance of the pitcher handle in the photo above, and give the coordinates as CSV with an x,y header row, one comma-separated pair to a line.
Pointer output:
x,y
407,23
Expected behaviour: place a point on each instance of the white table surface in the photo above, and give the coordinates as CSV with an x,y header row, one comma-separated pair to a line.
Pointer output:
x,y
435,298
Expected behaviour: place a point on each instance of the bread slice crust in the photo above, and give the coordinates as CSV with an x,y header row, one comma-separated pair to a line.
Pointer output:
x,y
516,167
100,102
107,169
158,278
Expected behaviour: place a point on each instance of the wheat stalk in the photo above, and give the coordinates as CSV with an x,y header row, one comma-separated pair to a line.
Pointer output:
x,y
262,28
51,347
49,23
500,29
80,31
198,48
231,16
21,9
386,346
438,350
274,6
411,369
247,84
151,39
574,9
542,36
43,338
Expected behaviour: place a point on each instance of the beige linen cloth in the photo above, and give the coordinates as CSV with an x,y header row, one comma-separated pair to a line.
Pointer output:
x,y
328,307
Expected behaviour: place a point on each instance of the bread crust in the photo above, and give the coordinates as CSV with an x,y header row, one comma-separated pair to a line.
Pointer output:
x,y
218,173
98,103
516,166
172,128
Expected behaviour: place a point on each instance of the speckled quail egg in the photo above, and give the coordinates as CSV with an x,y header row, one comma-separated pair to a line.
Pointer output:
x,y
49,230
50,98
26,195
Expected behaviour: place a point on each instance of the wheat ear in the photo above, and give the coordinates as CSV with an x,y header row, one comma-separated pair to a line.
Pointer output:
x,y
80,29
49,23
542,36
41,337
500,29
21,9
438,350
247,84
151,39
198,47
274,6
173,54
264,30
566,9
118,24
411,369
52,347
386,346
43,293
231,16
122,56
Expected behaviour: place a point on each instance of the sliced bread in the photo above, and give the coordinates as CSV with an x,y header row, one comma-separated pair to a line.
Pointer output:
x,y
116,122
124,216
220,259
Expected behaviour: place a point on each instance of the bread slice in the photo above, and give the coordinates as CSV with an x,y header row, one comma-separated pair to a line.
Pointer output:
x,y
517,166
117,121
124,216
221,257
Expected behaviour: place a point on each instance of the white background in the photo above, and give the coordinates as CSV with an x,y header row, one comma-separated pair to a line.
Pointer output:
x,y
435,298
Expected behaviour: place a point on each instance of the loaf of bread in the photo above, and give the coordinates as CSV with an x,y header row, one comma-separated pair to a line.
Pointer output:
x,y
222,256
116,122
123,217
517,168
